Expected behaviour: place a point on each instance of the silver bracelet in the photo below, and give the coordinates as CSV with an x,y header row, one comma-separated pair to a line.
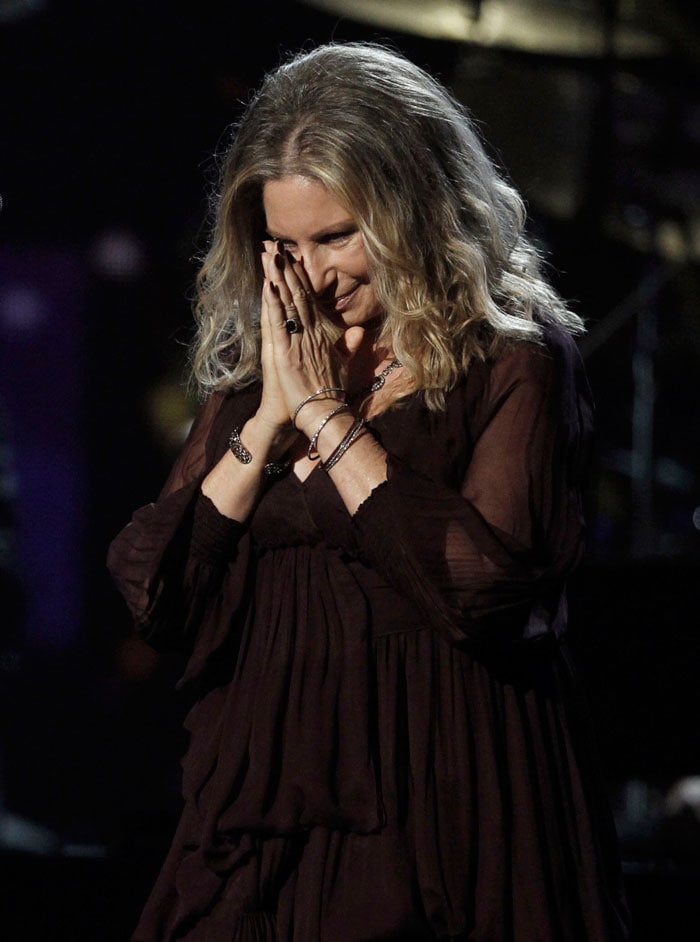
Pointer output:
x,y
239,451
316,395
351,436
312,443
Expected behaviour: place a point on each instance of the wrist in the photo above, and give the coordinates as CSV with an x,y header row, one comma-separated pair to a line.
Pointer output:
x,y
340,410
266,442
263,457
315,412
328,430
323,394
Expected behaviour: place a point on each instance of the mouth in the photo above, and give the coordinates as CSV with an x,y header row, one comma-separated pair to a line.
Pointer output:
x,y
341,301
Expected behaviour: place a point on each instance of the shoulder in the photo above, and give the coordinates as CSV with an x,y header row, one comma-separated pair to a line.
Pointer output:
x,y
551,358
549,371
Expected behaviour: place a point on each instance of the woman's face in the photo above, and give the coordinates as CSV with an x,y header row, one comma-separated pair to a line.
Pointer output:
x,y
314,227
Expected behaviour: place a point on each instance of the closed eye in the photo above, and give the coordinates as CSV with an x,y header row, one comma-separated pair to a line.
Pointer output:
x,y
331,237
322,238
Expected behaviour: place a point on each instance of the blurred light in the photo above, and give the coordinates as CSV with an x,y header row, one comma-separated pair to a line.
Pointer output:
x,y
696,518
23,309
170,411
685,793
11,10
20,834
118,255
671,241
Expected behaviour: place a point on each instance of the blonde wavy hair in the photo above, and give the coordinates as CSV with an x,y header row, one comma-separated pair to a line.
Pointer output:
x,y
443,228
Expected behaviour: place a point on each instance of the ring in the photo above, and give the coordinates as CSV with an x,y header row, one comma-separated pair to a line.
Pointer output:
x,y
292,325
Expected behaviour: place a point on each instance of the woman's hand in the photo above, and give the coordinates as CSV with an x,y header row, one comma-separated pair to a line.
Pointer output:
x,y
273,413
303,361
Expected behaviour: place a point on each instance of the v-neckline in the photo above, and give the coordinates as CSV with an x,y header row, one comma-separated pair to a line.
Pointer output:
x,y
303,481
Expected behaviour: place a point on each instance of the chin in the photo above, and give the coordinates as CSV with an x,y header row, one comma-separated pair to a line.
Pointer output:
x,y
341,320
370,320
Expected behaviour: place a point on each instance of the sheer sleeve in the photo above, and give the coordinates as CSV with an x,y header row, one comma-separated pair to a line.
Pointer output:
x,y
172,553
486,562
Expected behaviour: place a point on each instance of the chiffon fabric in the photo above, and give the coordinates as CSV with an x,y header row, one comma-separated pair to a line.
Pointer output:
x,y
386,738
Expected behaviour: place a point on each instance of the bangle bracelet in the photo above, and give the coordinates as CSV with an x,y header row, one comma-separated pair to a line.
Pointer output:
x,y
312,443
316,395
239,451
350,436
275,469
237,448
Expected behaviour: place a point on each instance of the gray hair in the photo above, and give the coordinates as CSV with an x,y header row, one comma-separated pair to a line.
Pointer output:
x,y
444,229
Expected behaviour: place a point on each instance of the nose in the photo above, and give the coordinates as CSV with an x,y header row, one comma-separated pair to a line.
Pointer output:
x,y
318,266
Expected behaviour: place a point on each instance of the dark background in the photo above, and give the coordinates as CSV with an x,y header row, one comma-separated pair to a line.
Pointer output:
x,y
110,115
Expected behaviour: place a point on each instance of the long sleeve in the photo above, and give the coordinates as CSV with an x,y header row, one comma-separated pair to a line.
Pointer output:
x,y
170,557
486,561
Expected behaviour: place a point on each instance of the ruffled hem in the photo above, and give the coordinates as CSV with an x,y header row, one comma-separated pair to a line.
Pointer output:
x,y
495,818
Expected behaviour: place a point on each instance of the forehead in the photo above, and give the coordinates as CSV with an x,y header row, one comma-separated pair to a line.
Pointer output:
x,y
301,203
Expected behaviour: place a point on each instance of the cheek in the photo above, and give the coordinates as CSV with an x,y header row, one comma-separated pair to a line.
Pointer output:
x,y
359,265
369,303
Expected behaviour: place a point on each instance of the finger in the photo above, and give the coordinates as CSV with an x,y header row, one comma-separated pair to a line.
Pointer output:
x,y
295,307
298,302
265,259
296,277
272,272
276,313
265,333
350,342
276,265
269,300
301,298
286,306
297,265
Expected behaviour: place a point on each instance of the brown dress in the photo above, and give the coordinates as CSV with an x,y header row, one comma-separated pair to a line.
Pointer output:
x,y
386,740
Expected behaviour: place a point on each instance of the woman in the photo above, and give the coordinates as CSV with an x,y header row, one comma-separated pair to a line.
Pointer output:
x,y
364,544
